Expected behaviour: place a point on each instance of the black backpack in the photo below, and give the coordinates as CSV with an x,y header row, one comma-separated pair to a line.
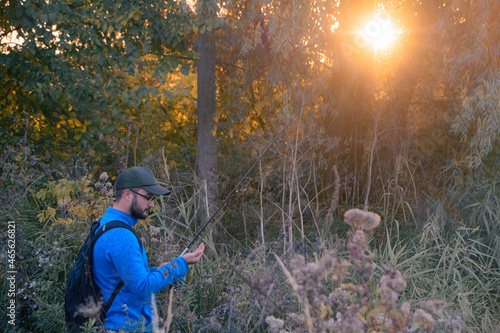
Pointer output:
x,y
81,290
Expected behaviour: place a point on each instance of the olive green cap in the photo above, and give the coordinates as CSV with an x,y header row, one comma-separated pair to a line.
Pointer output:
x,y
139,177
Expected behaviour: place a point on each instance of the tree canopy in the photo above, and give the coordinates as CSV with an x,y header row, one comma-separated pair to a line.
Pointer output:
x,y
72,70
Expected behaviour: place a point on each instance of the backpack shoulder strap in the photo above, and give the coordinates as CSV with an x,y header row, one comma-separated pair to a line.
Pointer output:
x,y
106,227
105,307
112,225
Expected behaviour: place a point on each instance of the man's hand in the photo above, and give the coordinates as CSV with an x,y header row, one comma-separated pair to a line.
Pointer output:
x,y
194,257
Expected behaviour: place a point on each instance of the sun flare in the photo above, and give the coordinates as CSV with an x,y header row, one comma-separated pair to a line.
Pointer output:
x,y
381,36
379,32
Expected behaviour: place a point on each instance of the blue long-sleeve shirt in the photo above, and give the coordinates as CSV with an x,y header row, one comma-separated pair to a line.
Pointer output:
x,y
117,256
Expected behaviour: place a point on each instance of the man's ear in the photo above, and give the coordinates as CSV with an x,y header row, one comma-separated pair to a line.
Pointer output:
x,y
128,194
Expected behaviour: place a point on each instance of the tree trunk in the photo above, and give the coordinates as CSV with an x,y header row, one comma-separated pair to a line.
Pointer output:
x,y
207,140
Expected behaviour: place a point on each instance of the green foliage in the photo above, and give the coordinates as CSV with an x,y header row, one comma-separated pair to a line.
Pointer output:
x,y
474,73
65,64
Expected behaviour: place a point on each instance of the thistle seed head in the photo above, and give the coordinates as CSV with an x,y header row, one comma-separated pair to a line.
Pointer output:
x,y
358,218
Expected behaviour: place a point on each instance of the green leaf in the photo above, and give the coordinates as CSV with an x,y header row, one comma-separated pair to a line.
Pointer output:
x,y
174,63
185,69
19,11
168,94
414,328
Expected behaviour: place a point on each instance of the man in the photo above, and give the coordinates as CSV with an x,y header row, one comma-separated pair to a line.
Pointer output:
x,y
118,255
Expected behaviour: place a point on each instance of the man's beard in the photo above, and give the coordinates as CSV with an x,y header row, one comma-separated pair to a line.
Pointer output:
x,y
136,212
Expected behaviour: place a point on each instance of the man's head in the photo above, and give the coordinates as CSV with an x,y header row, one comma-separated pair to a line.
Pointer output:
x,y
135,190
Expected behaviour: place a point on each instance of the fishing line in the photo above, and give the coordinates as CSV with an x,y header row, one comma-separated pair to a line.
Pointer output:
x,y
257,161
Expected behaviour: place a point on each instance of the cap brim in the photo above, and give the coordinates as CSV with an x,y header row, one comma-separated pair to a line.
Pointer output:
x,y
156,190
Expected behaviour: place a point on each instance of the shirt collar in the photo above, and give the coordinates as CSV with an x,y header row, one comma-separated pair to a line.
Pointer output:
x,y
115,214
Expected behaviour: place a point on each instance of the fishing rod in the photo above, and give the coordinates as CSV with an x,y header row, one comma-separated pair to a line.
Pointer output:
x,y
257,161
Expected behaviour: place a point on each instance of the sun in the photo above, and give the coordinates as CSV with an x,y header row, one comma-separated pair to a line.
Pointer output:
x,y
379,32
381,35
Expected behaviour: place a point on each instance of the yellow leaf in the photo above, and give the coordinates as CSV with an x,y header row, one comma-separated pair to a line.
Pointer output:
x,y
77,123
349,286
50,212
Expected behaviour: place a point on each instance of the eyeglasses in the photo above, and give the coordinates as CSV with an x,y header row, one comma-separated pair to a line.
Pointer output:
x,y
150,198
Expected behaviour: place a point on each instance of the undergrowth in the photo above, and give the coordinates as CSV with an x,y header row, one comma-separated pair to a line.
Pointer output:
x,y
444,277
